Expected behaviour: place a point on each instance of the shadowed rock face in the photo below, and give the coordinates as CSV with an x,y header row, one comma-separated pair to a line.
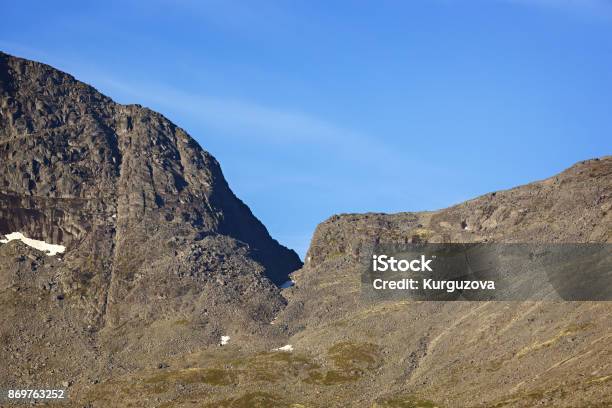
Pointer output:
x,y
153,232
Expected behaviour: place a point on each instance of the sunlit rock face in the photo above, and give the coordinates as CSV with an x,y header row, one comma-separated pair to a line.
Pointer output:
x,y
152,232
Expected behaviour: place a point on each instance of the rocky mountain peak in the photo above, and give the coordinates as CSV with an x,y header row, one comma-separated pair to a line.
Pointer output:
x,y
73,161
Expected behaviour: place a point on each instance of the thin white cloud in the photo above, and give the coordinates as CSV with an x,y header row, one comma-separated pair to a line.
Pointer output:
x,y
276,125
268,125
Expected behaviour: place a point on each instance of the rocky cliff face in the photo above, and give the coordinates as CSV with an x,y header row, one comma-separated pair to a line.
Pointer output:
x,y
154,234
84,161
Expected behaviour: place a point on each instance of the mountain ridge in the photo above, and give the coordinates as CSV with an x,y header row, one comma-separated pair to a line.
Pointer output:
x,y
163,296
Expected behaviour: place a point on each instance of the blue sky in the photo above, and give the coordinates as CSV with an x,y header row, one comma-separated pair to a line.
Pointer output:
x,y
315,107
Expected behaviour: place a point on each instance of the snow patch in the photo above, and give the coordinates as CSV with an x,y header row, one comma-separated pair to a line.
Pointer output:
x,y
225,340
287,348
287,284
50,249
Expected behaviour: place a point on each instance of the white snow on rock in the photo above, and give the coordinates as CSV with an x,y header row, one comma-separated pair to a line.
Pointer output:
x,y
288,347
225,340
50,249
287,284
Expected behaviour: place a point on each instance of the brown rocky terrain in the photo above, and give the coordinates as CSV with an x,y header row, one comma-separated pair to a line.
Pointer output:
x,y
467,354
162,260
161,256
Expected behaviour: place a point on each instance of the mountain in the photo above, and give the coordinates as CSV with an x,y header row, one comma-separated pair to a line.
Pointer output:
x,y
464,354
164,294
156,241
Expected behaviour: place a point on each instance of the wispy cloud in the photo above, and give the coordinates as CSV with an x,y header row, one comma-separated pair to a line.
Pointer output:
x,y
275,125
268,125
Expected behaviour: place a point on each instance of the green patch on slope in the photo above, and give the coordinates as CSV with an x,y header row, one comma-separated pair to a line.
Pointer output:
x,y
351,360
